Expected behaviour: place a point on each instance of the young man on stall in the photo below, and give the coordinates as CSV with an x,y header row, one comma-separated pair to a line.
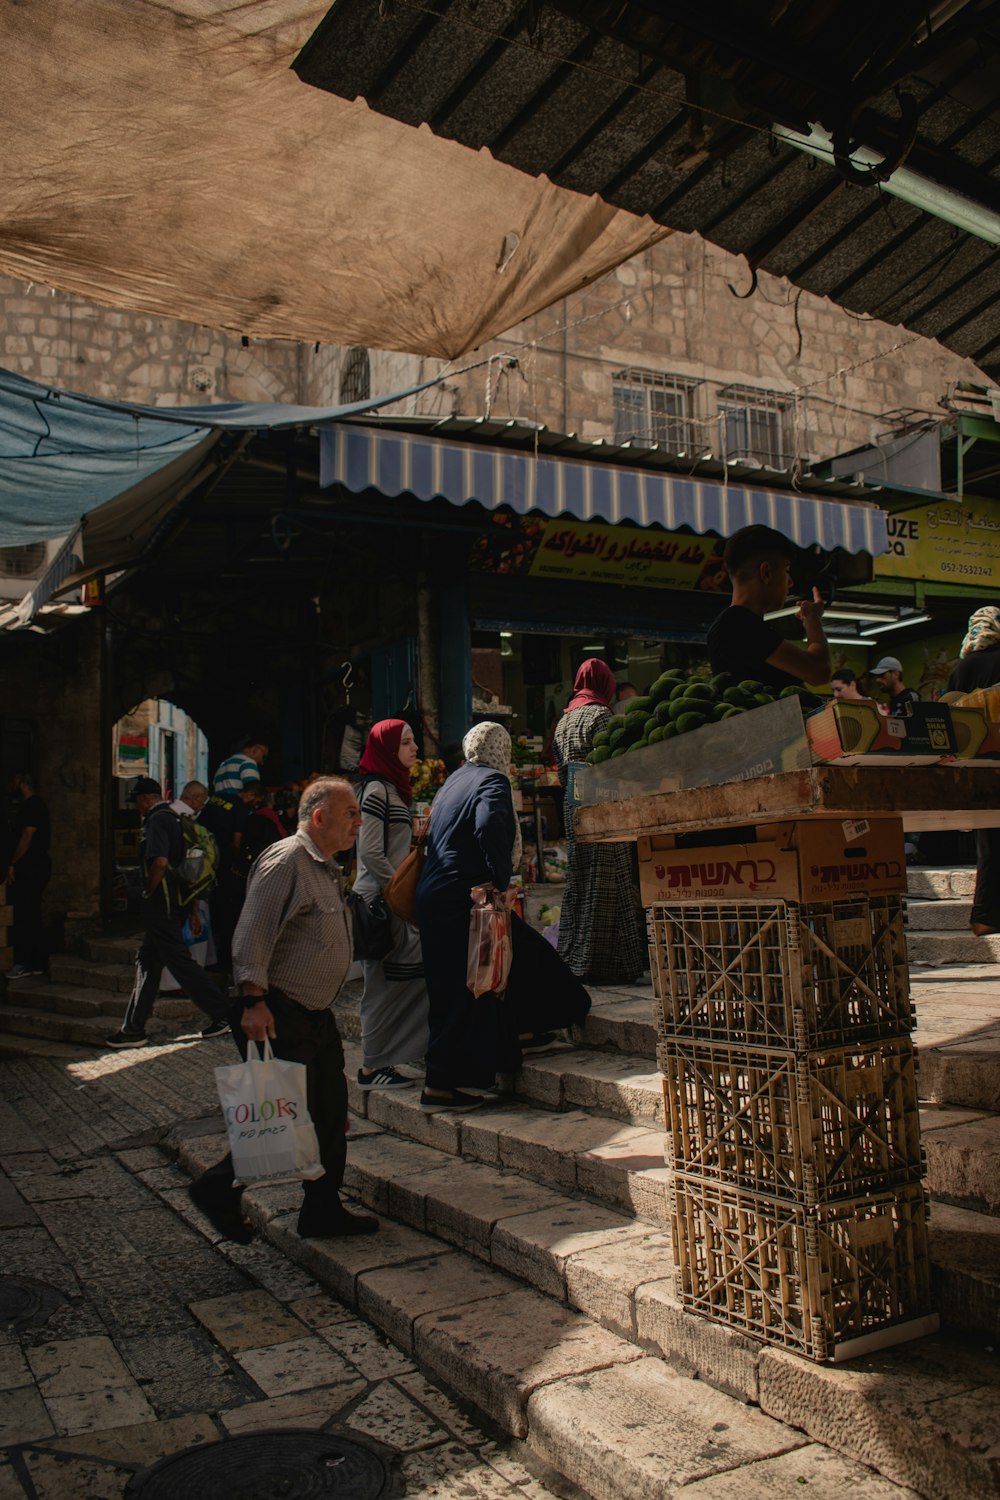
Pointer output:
x,y
759,563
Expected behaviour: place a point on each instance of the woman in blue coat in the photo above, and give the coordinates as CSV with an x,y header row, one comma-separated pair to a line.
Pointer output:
x,y
474,840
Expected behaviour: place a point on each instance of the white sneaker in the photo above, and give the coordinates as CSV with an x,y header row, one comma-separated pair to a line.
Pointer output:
x,y
20,972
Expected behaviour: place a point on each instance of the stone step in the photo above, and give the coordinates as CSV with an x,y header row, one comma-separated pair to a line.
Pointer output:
x,y
963,1156
947,915
538,1307
939,884
105,949
82,1000
941,948
965,1072
65,968
21,1021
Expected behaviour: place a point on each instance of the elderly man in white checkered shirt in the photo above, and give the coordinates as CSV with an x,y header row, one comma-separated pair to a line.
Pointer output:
x,y
291,952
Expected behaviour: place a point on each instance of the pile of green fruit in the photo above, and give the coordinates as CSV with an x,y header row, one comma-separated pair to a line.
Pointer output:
x,y
678,703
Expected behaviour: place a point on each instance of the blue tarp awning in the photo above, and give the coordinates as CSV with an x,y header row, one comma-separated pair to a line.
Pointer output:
x,y
361,458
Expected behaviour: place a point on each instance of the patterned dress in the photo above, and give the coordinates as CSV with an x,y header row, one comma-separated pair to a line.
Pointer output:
x,y
394,1003
602,928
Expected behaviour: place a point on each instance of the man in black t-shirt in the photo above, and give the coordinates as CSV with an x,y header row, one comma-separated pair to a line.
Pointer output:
x,y
27,875
888,673
163,945
758,560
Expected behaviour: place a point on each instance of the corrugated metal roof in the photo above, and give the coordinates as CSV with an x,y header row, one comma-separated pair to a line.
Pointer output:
x,y
668,110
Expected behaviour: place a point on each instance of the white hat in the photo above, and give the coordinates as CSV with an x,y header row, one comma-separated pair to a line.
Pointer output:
x,y
887,664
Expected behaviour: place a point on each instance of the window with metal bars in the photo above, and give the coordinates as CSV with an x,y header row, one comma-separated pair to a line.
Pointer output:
x,y
355,377
757,425
654,408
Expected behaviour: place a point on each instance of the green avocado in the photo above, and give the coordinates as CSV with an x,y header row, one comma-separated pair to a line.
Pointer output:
x,y
662,712
635,716
617,721
639,745
701,690
689,721
651,723
679,690
620,750
602,737
600,754
669,731
655,735
721,710
763,699
738,696
641,705
679,706
616,737
720,680
749,686
732,709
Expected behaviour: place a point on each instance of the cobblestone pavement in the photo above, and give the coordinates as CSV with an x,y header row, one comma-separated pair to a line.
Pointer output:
x,y
151,1335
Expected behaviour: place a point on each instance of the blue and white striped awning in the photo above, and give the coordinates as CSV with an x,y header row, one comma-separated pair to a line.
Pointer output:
x,y
361,458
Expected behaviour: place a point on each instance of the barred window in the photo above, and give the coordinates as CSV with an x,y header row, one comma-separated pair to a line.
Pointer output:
x,y
654,408
355,377
757,425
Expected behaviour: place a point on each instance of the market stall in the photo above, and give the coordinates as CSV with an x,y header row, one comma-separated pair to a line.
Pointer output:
x,y
775,907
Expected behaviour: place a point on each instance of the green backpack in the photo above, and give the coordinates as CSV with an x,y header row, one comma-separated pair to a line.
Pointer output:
x,y
196,871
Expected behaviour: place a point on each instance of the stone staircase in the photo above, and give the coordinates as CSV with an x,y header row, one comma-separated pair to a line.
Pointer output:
x,y
525,1258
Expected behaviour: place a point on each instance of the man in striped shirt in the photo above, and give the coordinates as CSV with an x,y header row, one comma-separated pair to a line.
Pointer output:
x,y
239,768
291,952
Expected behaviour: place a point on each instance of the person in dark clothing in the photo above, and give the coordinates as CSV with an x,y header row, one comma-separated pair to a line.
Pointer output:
x,y
163,945
224,815
845,686
758,561
978,666
888,673
262,828
28,872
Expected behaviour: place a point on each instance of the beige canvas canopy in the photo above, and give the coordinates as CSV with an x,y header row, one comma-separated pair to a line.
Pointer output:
x,y
160,155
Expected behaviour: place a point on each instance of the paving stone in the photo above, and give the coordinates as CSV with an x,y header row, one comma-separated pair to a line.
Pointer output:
x,y
398,1109
916,1414
497,1352
544,1147
304,1409
184,1372
601,1281
13,1368
722,1356
10,1486
338,1263
23,1416
265,1264
14,1212
440,1406
32,1252
77,1365
817,1472
141,1443
451,1469
639,1432
87,1411
379,1160
247,1320
394,1299
319,1310
536,1246
374,1356
136,1305
57,1478
298,1365
392,1419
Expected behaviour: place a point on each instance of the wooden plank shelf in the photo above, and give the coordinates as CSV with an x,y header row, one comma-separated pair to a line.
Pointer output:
x,y
925,797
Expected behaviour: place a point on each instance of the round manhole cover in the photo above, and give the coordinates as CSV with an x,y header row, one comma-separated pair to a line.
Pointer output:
x,y
24,1301
262,1465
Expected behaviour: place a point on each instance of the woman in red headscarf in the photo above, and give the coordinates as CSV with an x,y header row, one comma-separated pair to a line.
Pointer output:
x,y
602,930
394,1003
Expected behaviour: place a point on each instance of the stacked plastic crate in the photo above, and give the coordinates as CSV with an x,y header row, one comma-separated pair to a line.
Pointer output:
x,y
791,1100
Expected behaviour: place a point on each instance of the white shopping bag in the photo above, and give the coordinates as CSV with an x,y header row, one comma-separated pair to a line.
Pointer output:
x,y
201,949
271,1134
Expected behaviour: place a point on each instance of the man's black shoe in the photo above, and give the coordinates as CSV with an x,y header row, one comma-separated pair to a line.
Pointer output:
x,y
219,1027
333,1222
219,1200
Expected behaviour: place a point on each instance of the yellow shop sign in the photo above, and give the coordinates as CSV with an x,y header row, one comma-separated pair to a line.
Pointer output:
x,y
952,541
597,553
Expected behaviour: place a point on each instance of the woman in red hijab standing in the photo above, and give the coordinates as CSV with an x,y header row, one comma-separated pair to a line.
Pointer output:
x,y
394,1003
602,929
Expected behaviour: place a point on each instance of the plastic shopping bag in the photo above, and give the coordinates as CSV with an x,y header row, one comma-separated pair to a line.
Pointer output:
x,y
201,949
271,1134
489,943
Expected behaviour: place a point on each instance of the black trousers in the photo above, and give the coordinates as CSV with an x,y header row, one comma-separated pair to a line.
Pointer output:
x,y
163,947
25,894
986,901
310,1037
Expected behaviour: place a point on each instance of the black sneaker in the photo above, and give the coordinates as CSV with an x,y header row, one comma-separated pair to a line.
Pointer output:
x,y
383,1078
333,1222
215,1028
431,1105
127,1039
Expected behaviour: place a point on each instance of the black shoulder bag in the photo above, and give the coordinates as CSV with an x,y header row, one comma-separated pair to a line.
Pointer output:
x,y
371,919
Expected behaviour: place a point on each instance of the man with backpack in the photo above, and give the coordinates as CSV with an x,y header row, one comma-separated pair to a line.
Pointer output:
x,y
176,868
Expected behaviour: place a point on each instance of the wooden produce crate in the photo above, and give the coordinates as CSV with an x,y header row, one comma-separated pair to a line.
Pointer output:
x,y
782,974
830,1283
812,1128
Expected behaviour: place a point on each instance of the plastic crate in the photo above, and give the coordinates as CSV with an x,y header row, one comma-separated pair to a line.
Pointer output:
x,y
782,974
808,1127
829,1283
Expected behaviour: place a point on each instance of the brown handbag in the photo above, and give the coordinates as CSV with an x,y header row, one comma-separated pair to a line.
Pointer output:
x,y
400,894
